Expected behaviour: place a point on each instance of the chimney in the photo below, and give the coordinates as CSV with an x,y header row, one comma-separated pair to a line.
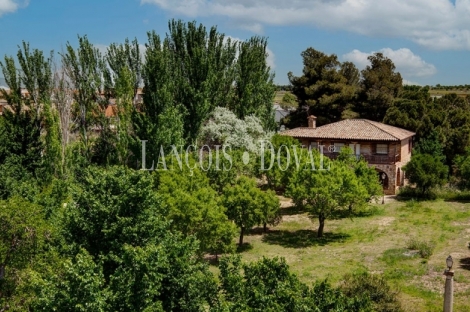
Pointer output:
x,y
312,121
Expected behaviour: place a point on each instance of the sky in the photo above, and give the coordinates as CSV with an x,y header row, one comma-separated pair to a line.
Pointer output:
x,y
428,40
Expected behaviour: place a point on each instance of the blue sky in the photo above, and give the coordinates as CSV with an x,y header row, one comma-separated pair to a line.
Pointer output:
x,y
429,40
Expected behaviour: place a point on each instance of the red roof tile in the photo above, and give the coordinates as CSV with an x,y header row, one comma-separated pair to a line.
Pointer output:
x,y
352,129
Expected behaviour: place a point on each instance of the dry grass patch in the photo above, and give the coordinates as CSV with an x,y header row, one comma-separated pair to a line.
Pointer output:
x,y
371,242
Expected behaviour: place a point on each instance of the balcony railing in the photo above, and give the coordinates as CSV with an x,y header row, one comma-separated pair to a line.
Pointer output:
x,y
371,159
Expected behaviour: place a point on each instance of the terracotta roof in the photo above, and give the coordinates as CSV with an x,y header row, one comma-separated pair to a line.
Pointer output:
x,y
352,129
111,111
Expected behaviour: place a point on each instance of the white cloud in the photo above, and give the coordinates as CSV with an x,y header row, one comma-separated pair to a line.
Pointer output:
x,y
437,24
406,62
271,59
102,48
410,83
9,6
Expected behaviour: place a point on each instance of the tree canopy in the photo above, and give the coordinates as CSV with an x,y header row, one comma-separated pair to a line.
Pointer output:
x,y
327,87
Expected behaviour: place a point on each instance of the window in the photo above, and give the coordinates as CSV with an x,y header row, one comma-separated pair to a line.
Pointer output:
x,y
382,149
338,147
313,145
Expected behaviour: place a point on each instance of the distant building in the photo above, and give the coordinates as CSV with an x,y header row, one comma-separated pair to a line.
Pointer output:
x,y
384,147
280,112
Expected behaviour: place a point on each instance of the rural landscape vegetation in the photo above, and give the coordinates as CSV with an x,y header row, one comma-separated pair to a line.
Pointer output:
x,y
87,225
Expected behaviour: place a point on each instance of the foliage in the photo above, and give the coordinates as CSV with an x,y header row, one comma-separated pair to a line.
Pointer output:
x,y
248,206
327,86
78,285
29,115
195,209
327,194
84,68
375,287
444,121
268,285
254,86
289,101
366,175
426,171
462,164
431,145
425,248
225,129
410,111
285,155
23,235
380,85
117,218
232,163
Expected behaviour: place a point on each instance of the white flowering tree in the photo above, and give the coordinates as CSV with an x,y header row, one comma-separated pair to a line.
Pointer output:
x,y
224,128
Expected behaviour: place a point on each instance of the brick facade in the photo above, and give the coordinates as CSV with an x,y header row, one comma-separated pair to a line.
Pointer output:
x,y
399,154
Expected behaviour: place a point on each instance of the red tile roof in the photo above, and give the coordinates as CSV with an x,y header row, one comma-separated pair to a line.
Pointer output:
x,y
352,129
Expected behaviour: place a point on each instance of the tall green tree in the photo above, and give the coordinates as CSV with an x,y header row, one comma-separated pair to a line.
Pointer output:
x,y
127,56
327,87
254,87
445,119
84,68
30,126
411,111
125,63
380,85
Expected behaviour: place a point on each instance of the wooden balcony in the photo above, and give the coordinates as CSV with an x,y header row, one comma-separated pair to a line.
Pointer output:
x,y
371,159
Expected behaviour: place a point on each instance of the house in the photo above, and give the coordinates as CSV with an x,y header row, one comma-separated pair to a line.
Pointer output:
x,y
279,112
385,147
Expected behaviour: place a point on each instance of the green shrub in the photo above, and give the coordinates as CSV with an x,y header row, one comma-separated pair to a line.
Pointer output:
x,y
392,256
425,248
408,192
383,297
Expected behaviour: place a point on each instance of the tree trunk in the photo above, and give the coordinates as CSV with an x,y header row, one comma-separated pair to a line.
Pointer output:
x,y
265,227
242,231
321,218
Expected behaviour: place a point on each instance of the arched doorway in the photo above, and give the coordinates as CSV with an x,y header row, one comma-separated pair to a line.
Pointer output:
x,y
383,178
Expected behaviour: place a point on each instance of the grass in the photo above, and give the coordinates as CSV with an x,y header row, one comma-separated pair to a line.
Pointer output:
x,y
444,92
407,241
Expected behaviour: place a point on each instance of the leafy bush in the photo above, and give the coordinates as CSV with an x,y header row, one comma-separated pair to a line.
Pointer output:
x,y
426,171
409,192
375,287
425,248
268,285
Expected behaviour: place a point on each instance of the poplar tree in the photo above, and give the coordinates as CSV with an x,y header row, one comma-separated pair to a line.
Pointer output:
x,y
30,114
254,87
84,68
